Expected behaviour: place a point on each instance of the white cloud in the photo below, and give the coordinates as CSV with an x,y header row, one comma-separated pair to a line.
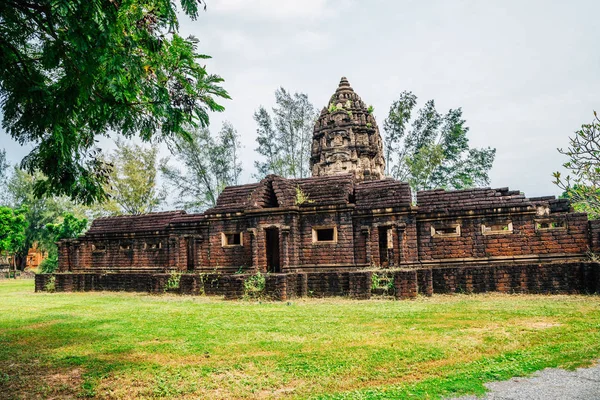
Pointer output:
x,y
311,40
278,9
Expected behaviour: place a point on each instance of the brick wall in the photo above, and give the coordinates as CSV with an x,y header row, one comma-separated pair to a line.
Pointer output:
x,y
567,278
524,239
146,253
326,254
229,258
533,278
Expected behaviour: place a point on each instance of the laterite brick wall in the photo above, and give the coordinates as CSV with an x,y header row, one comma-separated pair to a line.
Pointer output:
x,y
567,278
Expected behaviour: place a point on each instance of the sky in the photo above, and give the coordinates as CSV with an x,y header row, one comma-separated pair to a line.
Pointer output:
x,y
524,72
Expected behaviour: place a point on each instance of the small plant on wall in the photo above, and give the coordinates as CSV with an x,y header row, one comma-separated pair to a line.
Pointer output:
x,y
254,286
301,197
50,286
383,282
173,282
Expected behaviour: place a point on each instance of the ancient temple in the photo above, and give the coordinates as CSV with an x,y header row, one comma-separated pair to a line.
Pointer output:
x,y
346,138
328,234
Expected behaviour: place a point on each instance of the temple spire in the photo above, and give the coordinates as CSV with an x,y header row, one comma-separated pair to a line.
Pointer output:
x,y
346,138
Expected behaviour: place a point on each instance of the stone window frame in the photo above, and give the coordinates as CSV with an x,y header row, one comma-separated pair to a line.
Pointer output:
x,y
390,234
153,246
225,239
551,221
508,231
437,231
315,238
99,247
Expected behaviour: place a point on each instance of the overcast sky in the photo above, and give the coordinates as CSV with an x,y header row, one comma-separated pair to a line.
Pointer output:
x,y
524,72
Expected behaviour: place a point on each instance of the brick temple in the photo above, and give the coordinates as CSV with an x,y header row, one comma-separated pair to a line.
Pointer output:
x,y
327,235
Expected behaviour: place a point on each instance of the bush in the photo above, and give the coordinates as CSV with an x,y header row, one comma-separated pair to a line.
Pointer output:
x,y
50,285
50,264
173,282
254,286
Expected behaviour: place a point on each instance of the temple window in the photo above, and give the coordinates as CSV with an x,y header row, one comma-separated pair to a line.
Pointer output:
x,y
445,231
125,246
231,239
547,225
324,234
497,228
153,245
98,247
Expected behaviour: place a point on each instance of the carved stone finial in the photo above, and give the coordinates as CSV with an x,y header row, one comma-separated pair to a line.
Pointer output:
x,y
344,83
346,138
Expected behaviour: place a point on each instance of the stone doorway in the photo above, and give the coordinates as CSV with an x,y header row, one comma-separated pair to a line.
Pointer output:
x,y
385,245
190,253
272,247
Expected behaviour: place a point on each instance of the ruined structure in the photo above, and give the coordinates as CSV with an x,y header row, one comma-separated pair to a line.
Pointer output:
x,y
346,138
324,235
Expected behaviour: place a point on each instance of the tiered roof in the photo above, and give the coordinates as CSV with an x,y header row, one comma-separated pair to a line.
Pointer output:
x,y
124,224
440,200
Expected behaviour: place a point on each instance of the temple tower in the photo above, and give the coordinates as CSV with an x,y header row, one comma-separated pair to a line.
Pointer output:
x,y
346,138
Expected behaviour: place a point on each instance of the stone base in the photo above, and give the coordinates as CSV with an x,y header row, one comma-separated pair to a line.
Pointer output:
x,y
566,278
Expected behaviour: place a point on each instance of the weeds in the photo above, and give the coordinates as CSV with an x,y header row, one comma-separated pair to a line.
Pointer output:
x,y
173,282
50,286
254,286
383,281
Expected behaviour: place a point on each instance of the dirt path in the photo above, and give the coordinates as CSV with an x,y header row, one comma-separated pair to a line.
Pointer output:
x,y
549,384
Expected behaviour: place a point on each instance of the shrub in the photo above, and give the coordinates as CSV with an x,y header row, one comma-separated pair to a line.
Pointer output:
x,y
254,286
383,280
49,264
50,286
173,282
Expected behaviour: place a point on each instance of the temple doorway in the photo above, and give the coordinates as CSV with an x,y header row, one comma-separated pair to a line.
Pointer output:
x,y
385,245
272,245
190,253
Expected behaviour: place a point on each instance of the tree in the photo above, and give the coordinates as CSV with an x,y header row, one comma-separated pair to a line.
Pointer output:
x,y
434,152
210,166
69,228
12,231
230,146
582,185
73,70
285,140
4,167
268,146
38,213
134,188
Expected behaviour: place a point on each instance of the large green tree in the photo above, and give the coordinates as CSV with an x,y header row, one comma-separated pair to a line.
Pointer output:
x,y
209,165
582,183
432,150
40,211
13,225
69,227
73,70
134,188
285,139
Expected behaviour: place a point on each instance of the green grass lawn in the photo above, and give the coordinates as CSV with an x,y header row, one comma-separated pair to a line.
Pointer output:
x,y
121,345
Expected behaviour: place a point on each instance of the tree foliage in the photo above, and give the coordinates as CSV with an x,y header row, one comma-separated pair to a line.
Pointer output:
x,y
285,139
71,70
582,184
134,187
12,230
38,212
432,150
69,228
4,174
209,165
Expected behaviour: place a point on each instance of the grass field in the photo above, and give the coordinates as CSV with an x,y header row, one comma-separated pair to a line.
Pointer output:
x,y
120,345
